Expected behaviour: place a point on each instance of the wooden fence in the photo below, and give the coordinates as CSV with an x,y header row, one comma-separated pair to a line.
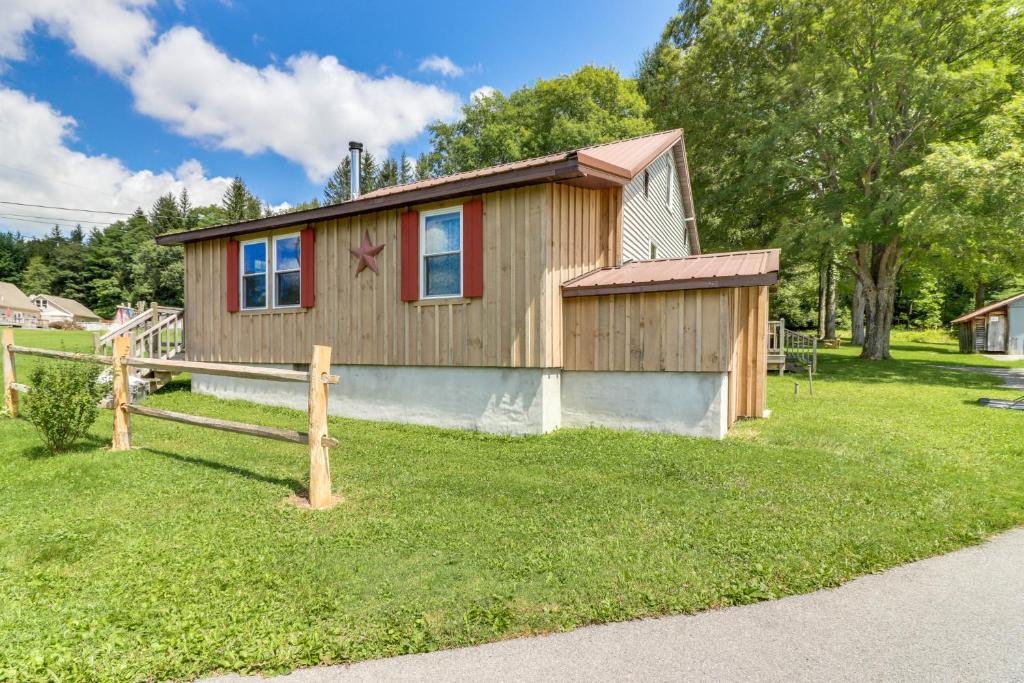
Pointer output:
x,y
318,377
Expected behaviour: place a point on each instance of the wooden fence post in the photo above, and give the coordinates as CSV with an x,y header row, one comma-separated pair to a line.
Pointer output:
x,y
319,459
10,395
121,395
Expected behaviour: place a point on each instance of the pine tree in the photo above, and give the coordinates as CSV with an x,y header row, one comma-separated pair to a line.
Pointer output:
x,y
424,166
388,174
337,189
38,277
165,215
239,203
369,174
406,169
189,217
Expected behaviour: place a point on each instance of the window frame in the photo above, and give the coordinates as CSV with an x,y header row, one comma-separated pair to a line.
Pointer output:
x,y
274,271
242,275
422,256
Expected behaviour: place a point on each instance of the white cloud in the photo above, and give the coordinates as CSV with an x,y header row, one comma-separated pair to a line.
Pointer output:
x,y
442,65
110,33
306,112
482,93
38,167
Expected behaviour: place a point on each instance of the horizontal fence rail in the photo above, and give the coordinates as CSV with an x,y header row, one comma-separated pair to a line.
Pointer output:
x,y
318,377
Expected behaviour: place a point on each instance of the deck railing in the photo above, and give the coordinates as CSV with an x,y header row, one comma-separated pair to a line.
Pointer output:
x,y
156,332
798,347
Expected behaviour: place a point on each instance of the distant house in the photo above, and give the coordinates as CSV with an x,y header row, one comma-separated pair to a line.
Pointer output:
x,y
16,309
563,291
57,308
996,328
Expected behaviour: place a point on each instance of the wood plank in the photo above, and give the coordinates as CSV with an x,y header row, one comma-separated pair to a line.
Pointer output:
x,y
274,433
224,369
63,355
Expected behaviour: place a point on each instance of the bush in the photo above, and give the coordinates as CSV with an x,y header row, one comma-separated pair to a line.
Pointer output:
x,y
63,402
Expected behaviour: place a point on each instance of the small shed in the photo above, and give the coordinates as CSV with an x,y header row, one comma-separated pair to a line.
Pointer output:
x,y
995,328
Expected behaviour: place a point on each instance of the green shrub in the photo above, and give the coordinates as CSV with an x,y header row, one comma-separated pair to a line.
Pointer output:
x,y
63,402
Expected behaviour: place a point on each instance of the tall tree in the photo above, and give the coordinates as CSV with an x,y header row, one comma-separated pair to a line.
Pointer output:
x,y
239,203
38,277
805,116
592,105
388,174
338,187
166,215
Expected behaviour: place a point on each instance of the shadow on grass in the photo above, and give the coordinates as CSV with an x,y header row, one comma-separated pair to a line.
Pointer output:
x,y
85,444
906,371
297,487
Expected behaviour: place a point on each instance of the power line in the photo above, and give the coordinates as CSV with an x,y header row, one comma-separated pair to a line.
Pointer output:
x,y
56,219
67,208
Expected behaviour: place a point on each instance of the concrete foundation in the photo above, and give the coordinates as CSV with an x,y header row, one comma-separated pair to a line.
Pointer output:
x,y
505,401
495,400
692,403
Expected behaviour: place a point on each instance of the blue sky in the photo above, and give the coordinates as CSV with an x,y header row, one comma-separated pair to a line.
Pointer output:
x,y
109,107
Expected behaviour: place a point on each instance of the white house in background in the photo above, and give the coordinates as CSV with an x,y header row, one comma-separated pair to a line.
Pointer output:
x,y
15,308
57,308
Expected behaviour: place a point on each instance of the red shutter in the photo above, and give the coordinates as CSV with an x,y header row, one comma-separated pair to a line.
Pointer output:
x,y
232,275
307,266
410,256
473,248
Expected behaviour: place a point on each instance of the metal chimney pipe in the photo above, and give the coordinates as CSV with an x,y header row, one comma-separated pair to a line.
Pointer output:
x,y
356,150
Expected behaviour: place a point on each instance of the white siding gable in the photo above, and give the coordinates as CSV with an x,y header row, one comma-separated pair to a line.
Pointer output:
x,y
657,217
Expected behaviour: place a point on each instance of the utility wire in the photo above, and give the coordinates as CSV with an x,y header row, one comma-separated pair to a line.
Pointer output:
x,y
56,219
67,208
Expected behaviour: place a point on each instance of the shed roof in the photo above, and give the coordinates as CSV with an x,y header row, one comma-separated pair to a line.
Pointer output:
x,y
70,305
605,165
706,271
13,298
988,309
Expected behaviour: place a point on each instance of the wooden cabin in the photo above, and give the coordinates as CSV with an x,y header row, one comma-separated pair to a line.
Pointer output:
x,y
996,328
566,290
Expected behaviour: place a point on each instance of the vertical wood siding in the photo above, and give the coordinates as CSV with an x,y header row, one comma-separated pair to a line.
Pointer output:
x,y
679,331
517,322
647,219
748,366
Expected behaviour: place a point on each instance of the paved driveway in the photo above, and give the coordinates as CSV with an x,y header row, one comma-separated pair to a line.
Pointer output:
x,y
955,617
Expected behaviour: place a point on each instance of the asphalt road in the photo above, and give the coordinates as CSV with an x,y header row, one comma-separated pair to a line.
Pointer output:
x,y
954,617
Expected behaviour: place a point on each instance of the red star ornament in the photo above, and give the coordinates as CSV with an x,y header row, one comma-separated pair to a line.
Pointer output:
x,y
365,252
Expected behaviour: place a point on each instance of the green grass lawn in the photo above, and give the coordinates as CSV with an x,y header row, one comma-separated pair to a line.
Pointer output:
x,y
181,557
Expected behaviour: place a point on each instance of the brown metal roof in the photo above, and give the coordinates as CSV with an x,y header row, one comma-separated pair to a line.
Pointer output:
x,y
988,309
610,164
707,271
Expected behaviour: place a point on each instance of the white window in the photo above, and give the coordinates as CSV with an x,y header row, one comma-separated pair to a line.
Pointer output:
x,y
441,253
254,274
287,278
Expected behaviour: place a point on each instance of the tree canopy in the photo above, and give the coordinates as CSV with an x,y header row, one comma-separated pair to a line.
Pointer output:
x,y
803,118
591,106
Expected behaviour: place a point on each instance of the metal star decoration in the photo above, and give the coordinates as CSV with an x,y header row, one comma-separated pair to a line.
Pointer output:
x,y
365,252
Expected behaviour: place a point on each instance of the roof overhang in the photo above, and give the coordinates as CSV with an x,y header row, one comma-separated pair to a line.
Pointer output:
x,y
985,310
765,280
571,170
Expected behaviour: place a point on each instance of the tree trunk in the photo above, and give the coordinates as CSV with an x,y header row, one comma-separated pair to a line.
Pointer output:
x,y
830,299
979,295
858,313
822,297
877,266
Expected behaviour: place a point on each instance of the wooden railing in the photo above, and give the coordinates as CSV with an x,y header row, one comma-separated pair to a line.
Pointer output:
x,y
797,347
145,341
318,377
